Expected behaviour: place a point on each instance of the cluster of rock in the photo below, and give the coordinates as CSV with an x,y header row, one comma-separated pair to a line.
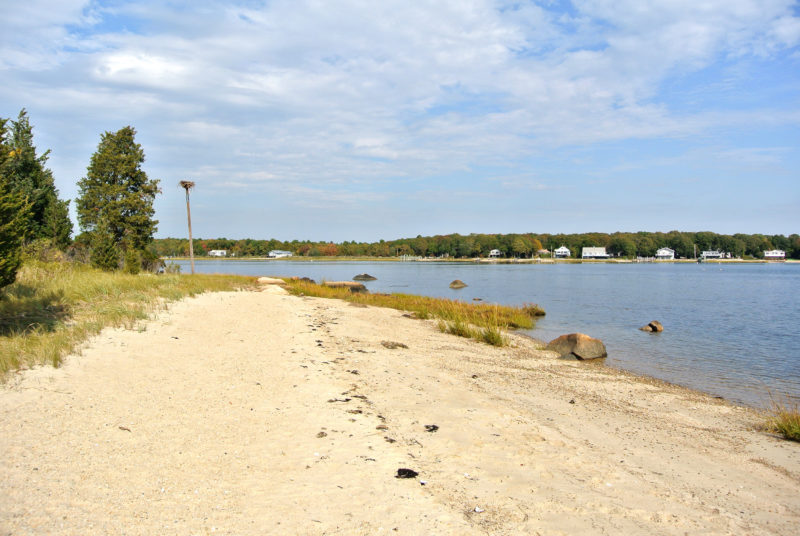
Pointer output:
x,y
457,283
364,277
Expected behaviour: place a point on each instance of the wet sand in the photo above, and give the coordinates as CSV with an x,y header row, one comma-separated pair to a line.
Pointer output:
x,y
264,413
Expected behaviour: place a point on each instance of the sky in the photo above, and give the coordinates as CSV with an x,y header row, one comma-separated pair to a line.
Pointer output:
x,y
363,120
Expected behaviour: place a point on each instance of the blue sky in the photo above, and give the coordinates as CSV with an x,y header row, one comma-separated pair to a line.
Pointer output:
x,y
356,120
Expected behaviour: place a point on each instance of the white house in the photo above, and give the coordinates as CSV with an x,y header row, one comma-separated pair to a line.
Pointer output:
x,y
218,253
594,253
278,253
665,254
775,255
562,253
495,253
713,254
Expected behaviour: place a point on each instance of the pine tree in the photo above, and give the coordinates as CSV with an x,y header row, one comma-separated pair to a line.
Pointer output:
x,y
28,176
13,217
116,197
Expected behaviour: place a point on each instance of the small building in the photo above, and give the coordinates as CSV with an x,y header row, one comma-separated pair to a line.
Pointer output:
x,y
665,254
495,253
218,253
279,253
775,255
562,253
594,253
713,254
543,251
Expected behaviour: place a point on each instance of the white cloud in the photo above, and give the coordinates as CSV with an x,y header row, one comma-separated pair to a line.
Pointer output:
x,y
305,93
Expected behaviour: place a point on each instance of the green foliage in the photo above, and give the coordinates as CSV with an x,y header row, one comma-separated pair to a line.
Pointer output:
x,y
642,244
27,175
13,216
116,197
104,252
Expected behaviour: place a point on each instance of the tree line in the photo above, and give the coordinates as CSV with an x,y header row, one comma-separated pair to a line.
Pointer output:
x,y
114,205
526,245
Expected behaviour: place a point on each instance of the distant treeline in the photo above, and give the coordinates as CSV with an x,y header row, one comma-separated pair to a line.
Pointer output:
x,y
641,244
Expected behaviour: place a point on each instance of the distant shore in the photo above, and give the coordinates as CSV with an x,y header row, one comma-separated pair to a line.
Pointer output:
x,y
482,260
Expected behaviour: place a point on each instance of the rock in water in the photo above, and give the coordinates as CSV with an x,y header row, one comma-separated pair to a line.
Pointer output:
x,y
579,345
364,277
457,284
654,327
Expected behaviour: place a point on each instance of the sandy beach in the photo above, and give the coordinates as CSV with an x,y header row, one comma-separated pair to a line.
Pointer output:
x,y
263,413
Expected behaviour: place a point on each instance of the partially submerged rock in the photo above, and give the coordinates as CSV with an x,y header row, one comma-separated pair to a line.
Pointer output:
x,y
457,284
654,327
364,277
352,285
579,345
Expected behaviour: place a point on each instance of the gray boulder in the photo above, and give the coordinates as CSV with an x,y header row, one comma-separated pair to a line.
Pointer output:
x,y
457,283
579,345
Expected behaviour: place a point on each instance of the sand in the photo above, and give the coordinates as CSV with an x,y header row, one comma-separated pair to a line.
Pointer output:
x,y
264,413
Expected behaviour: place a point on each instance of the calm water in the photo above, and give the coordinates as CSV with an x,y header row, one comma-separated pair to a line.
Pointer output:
x,y
729,329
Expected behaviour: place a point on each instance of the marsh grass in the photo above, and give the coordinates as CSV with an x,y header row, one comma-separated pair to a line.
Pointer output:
x,y
54,307
482,322
784,419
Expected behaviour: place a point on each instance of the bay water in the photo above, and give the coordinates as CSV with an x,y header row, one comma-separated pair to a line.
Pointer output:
x,y
729,329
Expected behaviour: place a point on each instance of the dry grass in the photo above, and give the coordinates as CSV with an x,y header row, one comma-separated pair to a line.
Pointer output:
x,y
53,307
483,322
784,419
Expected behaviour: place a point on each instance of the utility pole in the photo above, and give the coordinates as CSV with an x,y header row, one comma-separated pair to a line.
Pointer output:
x,y
188,185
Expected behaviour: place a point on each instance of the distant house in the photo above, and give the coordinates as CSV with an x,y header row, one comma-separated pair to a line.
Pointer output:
x,y
218,253
495,253
775,255
594,253
542,252
278,253
712,254
562,253
665,254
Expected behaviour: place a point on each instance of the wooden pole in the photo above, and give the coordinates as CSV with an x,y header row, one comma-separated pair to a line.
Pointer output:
x,y
188,185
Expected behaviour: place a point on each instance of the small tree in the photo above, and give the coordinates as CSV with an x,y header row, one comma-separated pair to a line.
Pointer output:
x,y
116,197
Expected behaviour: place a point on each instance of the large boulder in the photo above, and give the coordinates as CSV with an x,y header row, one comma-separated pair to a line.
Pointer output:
x,y
654,327
457,283
364,277
578,345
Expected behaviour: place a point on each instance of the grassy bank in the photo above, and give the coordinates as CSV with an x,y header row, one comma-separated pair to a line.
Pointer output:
x,y
54,307
483,322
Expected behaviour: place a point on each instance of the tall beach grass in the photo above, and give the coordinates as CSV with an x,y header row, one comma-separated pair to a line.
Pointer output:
x,y
482,322
54,307
784,418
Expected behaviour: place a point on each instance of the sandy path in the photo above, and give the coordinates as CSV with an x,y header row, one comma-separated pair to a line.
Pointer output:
x,y
262,413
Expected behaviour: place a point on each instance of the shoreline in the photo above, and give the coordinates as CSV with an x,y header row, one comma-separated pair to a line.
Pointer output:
x,y
259,412
300,259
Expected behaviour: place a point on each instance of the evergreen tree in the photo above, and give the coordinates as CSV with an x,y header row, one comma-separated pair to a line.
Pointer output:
x,y
13,216
27,175
116,197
